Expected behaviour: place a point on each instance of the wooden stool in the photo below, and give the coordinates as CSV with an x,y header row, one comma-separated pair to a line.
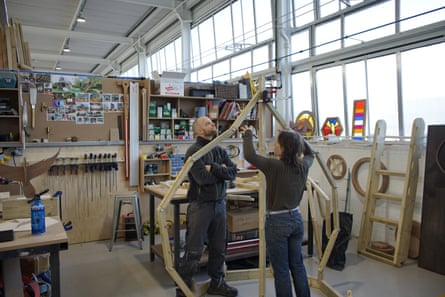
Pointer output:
x,y
120,199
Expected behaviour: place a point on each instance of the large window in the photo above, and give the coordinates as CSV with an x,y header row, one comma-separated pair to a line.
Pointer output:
x,y
382,82
195,48
263,20
261,59
303,12
339,53
241,64
207,41
330,94
223,33
221,71
422,86
356,89
369,24
301,89
327,37
300,45
426,12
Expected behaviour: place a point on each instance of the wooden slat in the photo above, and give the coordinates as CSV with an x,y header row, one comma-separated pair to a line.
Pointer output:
x,y
387,197
391,173
2,48
18,42
9,47
384,220
26,53
379,255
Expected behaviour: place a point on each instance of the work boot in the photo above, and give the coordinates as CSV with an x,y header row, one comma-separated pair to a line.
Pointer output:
x,y
223,289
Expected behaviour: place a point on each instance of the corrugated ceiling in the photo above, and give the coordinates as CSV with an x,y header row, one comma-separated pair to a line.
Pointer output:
x,y
105,43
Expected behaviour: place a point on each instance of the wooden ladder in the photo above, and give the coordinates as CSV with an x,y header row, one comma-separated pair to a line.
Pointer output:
x,y
406,199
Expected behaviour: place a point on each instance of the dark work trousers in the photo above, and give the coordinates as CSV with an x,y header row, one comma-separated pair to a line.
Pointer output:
x,y
206,222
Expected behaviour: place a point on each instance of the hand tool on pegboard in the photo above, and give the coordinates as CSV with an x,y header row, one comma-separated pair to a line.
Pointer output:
x,y
92,157
100,172
33,102
115,168
85,175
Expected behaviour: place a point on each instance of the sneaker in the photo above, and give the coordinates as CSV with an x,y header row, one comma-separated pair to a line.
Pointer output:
x,y
223,290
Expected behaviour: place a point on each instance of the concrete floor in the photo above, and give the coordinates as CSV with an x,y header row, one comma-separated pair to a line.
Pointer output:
x,y
89,269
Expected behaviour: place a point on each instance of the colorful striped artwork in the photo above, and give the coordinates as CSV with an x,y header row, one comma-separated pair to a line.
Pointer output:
x,y
359,119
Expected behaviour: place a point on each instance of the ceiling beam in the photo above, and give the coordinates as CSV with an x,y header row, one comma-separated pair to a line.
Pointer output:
x,y
169,4
68,58
32,30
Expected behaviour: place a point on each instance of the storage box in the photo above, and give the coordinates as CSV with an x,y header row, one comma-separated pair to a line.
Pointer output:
x,y
243,235
226,91
172,83
153,110
242,219
30,265
194,92
8,80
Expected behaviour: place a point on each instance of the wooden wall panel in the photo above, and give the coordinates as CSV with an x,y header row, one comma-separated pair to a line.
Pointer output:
x,y
432,234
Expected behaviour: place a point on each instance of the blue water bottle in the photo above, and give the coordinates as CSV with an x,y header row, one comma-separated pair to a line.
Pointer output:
x,y
38,215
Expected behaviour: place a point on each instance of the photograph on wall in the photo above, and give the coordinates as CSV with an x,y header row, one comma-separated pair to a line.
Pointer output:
x,y
76,84
113,102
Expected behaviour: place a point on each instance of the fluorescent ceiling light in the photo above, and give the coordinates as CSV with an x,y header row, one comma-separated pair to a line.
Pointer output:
x,y
81,18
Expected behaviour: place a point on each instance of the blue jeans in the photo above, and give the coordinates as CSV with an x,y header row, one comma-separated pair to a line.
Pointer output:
x,y
206,221
284,237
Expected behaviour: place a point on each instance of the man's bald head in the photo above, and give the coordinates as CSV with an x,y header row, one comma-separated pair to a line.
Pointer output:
x,y
204,127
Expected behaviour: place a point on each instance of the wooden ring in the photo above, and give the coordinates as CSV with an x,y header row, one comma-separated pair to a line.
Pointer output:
x,y
337,166
354,175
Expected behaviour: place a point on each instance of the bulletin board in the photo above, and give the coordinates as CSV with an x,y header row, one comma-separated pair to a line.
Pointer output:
x,y
72,107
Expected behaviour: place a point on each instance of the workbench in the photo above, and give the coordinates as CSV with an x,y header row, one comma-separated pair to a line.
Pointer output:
x,y
180,197
52,241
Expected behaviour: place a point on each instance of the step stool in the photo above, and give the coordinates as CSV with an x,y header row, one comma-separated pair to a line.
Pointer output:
x,y
120,199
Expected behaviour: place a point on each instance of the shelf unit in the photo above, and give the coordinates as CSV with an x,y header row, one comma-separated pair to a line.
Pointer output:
x,y
153,170
10,115
171,117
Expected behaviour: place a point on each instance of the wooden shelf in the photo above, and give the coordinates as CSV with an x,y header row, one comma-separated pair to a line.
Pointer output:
x,y
175,125
159,171
11,122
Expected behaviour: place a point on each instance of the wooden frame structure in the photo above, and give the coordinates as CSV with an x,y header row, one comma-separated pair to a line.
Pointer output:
x,y
406,200
262,271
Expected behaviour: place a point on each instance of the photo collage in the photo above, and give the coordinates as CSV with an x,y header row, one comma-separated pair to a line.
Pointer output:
x,y
75,98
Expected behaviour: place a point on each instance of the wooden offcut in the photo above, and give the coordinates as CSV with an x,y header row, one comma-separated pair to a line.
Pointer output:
x,y
2,48
14,50
16,208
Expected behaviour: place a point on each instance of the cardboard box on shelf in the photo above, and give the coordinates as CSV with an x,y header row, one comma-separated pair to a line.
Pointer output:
x,y
172,83
30,265
242,219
